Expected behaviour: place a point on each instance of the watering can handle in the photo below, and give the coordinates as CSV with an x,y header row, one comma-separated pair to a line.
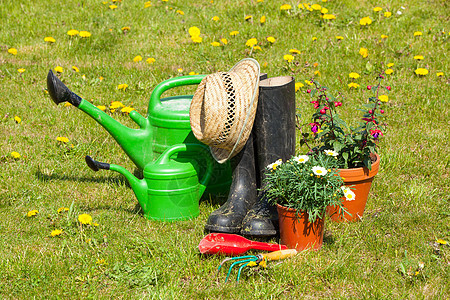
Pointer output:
x,y
165,157
171,83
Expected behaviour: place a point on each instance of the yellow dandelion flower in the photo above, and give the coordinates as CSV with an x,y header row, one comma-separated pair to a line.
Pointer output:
x,y
421,71
418,57
66,104
441,241
329,17
234,33
224,41
389,71
150,60
383,98
62,139
377,9
364,52
101,107
298,85
294,51
353,75
49,39
339,37
301,6
288,57
365,21
75,69
383,36
137,58
309,82
315,64
192,73
21,70
101,262
180,12
316,7
271,39
12,51
251,42
127,109
32,213
389,65
215,44
417,33
147,4
194,31
314,38
285,7
440,74
62,209
116,104
324,10
73,32
387,14
56,232
15,155
126,28
122,86
259,1
17,119
85,219
215,18
196,39
101,78
353,85
248,17
59,69
85,34
180,70
317,72
257,48
262,20
113,6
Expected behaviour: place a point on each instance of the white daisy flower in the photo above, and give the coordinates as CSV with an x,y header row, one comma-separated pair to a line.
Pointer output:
x,y
349,195
320,171
301,159
273,166
331,153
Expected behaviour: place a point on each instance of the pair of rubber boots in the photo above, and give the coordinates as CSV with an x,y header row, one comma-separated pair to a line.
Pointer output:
x,y
246,210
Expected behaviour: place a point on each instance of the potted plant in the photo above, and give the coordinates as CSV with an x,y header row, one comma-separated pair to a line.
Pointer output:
x,y
302,188
355,147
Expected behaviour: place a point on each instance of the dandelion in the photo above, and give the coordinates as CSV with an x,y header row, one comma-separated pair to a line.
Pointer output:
x,y
192,73
314,38
150,60
389,71
59,69
285,7
113,6
101,78
75,69
12,51
194,31
364,52
197,39
15,155
294,51
262,20
125,28
316,7
365,21
298,85
224,41
383,98
387,14
323,10
62,139
301,159
288,57
127,109
440,74
248,18
377,9
271,39
180,70
273,166
147,4
383,36
441,242
319,171
329,17
56,232
339,37
32,213
331,153
317,72
137,58
85,34
234,33
49,39
417,33
101,107
62,209
418,57
257,48
180,12
215,44
309,82
389,65
122,86
85,219
353,85
215,18
116,104
353,75
21,70
251,42
17,119
73,32
421,71
101,262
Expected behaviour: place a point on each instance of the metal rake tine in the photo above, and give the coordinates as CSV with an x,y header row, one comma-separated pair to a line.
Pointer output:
x,y
238,262
240,269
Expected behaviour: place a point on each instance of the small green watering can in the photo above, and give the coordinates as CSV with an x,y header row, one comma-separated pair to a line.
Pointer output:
x,y
167,124
171,189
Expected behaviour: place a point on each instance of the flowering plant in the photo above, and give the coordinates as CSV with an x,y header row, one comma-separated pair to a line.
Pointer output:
x,y
356,145
307,183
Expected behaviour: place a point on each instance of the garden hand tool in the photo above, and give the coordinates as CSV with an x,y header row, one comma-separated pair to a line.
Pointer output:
x,y
255,260
232,244
167,123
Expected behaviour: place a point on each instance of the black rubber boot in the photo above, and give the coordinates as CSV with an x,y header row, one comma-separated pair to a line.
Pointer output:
x,y
274,138
228,218
59,92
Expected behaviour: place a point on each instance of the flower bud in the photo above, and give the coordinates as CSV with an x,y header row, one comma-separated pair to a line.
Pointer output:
x,y
323,111
381,111
388,88
369,87
308,91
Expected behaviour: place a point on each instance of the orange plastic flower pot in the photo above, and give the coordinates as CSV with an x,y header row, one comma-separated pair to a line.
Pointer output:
x,y
296,232
360,181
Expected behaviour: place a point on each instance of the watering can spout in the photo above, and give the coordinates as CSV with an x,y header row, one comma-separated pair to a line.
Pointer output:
x,y
133,141
139,186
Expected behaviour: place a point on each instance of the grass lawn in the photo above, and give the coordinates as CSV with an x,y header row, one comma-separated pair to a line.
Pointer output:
x,y
128,256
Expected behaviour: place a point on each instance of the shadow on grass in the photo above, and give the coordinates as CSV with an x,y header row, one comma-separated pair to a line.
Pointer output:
x,y
118,180
328,238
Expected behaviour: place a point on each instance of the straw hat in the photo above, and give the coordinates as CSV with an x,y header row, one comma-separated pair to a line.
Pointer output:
x,y
223,109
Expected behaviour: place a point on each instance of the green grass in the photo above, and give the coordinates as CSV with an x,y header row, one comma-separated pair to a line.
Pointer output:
x,y
131,257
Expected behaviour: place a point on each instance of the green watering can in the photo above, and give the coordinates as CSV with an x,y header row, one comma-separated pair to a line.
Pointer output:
x,y
171,189
167,124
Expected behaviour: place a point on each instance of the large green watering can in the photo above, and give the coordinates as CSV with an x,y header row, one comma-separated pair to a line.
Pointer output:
x,y
171,189
167,124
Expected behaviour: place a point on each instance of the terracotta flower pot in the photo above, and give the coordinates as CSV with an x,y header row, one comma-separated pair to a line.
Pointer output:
x,y
360,181
296,232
